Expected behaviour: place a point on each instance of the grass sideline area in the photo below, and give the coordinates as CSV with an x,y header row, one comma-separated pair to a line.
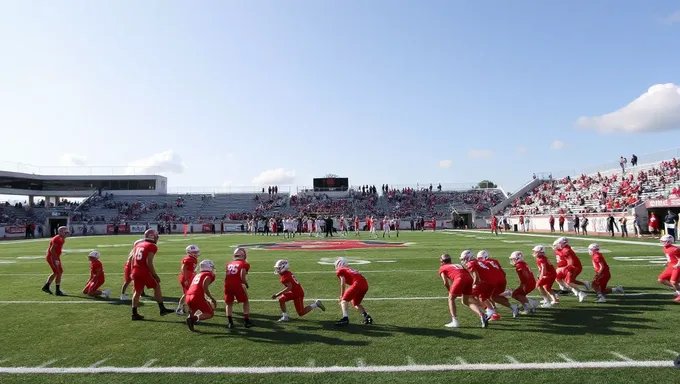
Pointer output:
x,y
573,341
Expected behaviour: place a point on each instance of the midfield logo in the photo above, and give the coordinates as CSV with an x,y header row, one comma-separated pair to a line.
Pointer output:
x,y
324,245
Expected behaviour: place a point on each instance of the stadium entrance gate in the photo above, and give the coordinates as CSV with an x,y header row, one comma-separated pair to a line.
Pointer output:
x,y
56,220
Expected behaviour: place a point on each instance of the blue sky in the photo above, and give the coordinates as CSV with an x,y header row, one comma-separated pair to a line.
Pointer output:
x,y
216,93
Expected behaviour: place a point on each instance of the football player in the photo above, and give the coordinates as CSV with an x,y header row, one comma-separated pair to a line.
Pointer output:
x,y
497,280
546,277
53,259
671,275
96,277
199,308
602,274
236,279
292,292
186,273
144,274
563,251
459,283
527,282
358,286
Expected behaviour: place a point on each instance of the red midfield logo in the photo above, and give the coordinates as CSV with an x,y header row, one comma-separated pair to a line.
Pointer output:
x,y
324,245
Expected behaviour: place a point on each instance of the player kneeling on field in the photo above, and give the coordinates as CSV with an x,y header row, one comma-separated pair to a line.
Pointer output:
x,y
292,291
237,272
458,282
199,308
527,282
96,277
602,274
358,286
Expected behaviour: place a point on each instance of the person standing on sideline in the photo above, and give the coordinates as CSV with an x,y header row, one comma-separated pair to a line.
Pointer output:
x,y
53,258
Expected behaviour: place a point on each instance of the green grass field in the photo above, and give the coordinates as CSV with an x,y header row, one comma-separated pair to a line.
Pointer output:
x,y
406,300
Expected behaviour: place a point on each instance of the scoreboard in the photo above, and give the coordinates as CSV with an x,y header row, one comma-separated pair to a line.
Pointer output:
x,y
331,184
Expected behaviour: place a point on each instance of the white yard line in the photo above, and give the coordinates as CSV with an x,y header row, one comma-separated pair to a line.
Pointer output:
x,y
342,369
622,357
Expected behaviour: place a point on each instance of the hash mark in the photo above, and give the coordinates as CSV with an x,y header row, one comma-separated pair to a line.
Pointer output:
x,y
622,357
311,363
461,361
672,352
410,361
566,358
47,363
198,363
512,360
100,362
361,363
149,363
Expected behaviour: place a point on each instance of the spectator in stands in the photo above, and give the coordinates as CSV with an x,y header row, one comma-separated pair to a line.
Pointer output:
x,y
584,225
653,224
633,161
611,224
439,187
671,221
577,222
623,221
622,163
636,225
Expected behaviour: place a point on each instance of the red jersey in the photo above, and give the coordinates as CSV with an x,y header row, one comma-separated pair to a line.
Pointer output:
x,y
141,252
551,220
190,263
494,221
352,276
495,268
57,244
454,272
94,266
481,268
234,269
526,277
672,254
561,260
544,265
600,264
561,219
569,254
356,223
288,277
196,287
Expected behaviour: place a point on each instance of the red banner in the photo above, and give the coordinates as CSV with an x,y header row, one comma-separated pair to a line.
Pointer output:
x,y
122,228
15,229
207,228
663,203
430,224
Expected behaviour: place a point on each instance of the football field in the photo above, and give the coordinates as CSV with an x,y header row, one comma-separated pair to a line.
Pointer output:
x,y
631,338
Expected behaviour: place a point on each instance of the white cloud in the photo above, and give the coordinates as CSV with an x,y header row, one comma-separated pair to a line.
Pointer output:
x,y
557,145
480,154
656,110
521,149
274,177
72,160
163,162
445,163
227,183
674,18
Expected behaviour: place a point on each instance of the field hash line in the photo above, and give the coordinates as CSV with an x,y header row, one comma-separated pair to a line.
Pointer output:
x,y
198,363
100,362
149,363
47,363
461,361
622,357
361,363
512,360
410,361
566,358
342,369
672,352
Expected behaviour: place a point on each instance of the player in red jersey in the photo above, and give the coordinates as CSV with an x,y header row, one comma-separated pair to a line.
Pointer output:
x,y
546,277
186,273
292,292
237,278
527,282
497,280
671,275
53,258
494,225
356,226
602,274
127,272
573,269
96,277
358,286
199,308
481,289
144,274
458,282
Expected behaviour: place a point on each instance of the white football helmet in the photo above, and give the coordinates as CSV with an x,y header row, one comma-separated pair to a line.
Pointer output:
x,y
281,266
560,243
341,262
538,250
666,240
482,255
193,251
151,235
94,254
516,257
63,231
240,254
592,248
466,255
445,258
207,266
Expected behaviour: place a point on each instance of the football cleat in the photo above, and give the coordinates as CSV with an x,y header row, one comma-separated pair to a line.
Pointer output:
x,y
601,299
123,297
320,305
136,316
47,290
166,311
452,324
587,285
343,321
546,305
179,311
247,323
60,293
190,322
230,325
106,293
485,321
619,289
515,312
581,296
368,320
283,319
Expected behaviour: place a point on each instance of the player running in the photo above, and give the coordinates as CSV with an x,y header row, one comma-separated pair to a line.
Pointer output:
x,y
573,269
292,292
199,308
144,274
497,280
237,277
671,275
527,282
186,273
53,258
96,277
602,274
459,283
546,277
358,286
481,287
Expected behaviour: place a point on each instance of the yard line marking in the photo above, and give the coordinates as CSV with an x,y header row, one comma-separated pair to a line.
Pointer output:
x,y
512,360
100,362
672,352
622,357
198,363
410,361
361,363
47,363
344,369
565,358
149,363
311,363
461,361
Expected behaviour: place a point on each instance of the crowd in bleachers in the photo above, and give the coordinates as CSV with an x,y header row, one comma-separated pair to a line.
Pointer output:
x,y
437,205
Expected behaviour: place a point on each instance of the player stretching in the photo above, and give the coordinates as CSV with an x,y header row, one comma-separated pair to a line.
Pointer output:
x,y
187,273
292,291
602,274
497,280
527,282
573,269
458,282
144,274
199,308
237,277
546,277
386,227
53,258
358,286
96,277
671,275
481,288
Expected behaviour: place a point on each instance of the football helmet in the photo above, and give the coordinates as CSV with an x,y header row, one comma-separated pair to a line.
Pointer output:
x,y
281,266
94,254
63,231
516,257
560,243
240,254
466,255
151,235
341,262
666,240
482,255
592,248
207,266
193,251
538,250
